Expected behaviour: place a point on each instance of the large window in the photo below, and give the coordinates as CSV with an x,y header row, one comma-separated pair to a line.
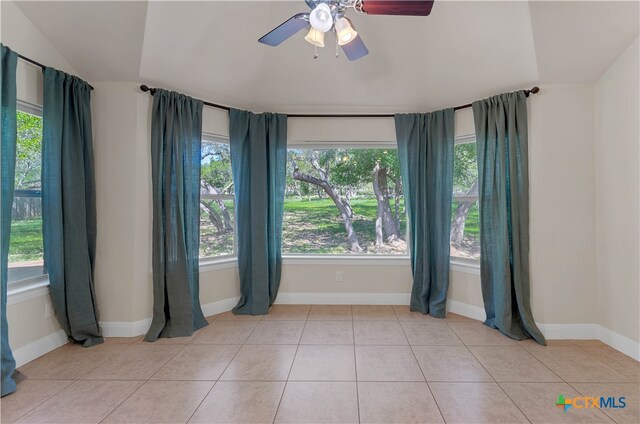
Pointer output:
x,y
465,223
217,217
25,245
344,201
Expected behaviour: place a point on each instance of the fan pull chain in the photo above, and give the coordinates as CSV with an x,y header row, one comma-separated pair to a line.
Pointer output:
x,y
336,45
315,54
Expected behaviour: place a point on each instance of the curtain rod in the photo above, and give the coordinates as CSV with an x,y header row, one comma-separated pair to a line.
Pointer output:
x,y
152,91
33,62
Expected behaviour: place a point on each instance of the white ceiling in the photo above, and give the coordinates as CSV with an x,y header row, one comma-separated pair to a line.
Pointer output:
x,y
461,52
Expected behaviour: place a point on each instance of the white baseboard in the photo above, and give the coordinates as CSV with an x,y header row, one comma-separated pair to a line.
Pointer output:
x,y
35,349
343,298
125,329
619,342
138,328
466,310
220,306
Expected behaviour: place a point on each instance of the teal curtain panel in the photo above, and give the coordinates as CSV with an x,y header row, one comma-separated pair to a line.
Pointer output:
x,y
502,141
425,148
9,137
176,137
258,161
69,204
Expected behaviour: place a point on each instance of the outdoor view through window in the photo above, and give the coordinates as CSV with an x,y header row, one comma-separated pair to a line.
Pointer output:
x,y
25,245
337,201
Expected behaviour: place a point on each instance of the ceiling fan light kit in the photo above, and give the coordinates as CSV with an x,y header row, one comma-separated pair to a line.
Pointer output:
x,y
326,15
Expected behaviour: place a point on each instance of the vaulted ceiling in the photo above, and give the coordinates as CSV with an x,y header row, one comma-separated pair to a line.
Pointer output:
x,y
461,52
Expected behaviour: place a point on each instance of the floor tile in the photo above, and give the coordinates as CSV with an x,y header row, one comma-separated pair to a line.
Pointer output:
x,y
631,392
198,362
476,403
405,314
82,402
537,402
70,361
620,362
328,332
456,317
228,402
261,363
226,332
230,316
330,313
373,313
432,333
29,394
589,343
449,363
122,340
575,364
318,402
161,402
277,332
387,363
397,403
137,362
288,312
324,363
476,333
378,333
512,363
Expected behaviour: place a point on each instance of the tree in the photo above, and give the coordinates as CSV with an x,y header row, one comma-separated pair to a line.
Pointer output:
x,y
465,183
321,162
361,166
216,178
28,151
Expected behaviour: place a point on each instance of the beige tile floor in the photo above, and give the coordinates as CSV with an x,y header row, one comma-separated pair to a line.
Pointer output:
x,y
326,364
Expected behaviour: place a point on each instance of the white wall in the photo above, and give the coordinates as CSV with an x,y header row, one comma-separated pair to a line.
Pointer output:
x,y
617,189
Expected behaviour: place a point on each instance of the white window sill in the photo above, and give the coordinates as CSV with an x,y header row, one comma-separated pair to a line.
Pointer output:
x,y
368,260
469,266
22,291
214,264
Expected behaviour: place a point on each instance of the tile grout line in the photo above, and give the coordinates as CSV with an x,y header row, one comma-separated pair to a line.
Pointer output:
x,y
355,362
582,393
143,381
291,366
422,372
497,383
222,372
49,397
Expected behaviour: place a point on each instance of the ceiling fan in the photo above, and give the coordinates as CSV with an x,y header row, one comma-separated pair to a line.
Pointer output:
x,y
329,15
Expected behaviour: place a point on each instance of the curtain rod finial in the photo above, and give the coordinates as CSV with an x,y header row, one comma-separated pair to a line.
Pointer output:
x,y
535,89
144,88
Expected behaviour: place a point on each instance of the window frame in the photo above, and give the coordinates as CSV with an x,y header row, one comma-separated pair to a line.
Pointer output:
x,y
26,284
460,263
219,261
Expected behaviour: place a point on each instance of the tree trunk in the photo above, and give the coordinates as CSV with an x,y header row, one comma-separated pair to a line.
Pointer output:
x,y
214,217
460,218
352,238
385,223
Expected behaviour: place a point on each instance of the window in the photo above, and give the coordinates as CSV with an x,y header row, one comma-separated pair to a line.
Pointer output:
x,y
465,223
344,201
217,215
25,244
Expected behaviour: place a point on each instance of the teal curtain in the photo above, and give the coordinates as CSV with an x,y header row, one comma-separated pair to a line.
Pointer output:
x,y
176,136
9,136
425,148
69,204
503,174
258,161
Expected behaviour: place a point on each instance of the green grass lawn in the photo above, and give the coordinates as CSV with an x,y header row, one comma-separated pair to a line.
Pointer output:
x,y
26,240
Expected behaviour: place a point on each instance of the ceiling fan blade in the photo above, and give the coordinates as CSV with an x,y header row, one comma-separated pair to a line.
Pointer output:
x,y
285,29
355,49
398,7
